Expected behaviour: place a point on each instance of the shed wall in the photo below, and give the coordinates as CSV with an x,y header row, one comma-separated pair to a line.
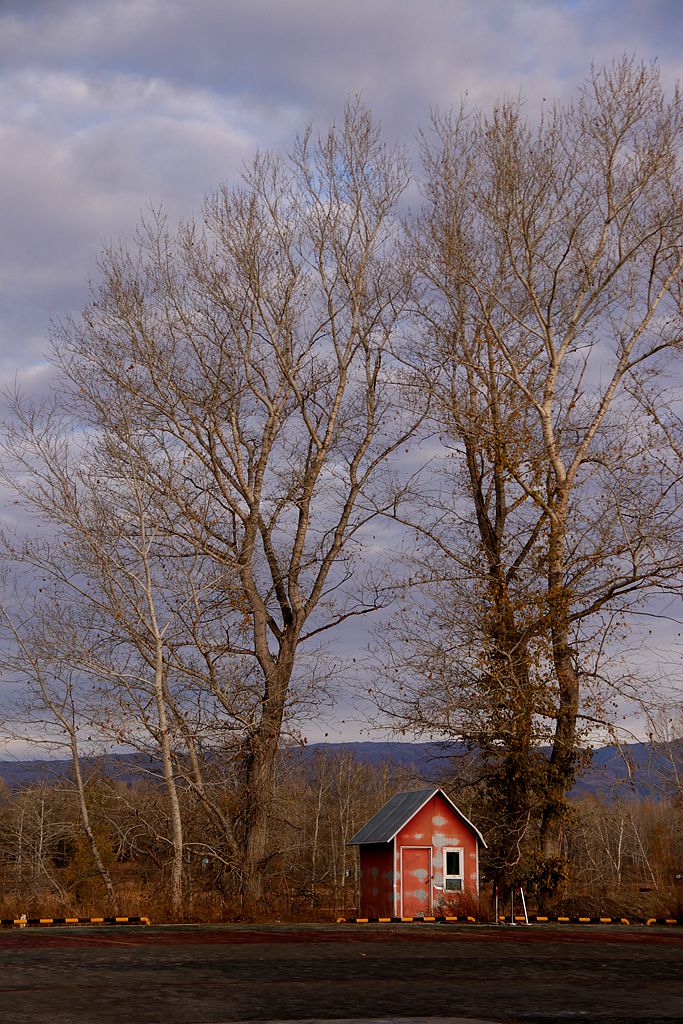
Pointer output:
x,y
377,880
438,827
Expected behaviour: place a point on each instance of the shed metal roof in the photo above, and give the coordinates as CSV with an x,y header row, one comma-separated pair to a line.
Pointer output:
x,y
397,812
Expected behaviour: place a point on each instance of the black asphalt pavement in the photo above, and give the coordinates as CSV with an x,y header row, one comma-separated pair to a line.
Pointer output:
x,y
207,975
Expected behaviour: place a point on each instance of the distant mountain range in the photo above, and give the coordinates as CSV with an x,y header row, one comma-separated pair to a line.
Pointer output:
x,y
632,770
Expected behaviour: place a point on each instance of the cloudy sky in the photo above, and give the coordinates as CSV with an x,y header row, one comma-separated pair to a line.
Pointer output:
x,y
107,106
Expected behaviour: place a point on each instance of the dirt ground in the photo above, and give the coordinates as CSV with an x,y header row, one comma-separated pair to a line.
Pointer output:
x,y
188,975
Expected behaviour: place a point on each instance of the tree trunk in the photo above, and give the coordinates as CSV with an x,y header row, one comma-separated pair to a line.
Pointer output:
x,y
87,828
506,681
563,758
260,772
176,888
511,778
262,751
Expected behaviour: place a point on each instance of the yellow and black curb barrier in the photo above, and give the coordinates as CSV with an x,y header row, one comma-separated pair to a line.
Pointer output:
x,y
533,919
24,922
558,919
406,920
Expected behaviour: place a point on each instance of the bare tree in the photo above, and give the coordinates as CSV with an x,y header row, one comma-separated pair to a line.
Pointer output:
x,y
95,643
551,257
48,688
248,369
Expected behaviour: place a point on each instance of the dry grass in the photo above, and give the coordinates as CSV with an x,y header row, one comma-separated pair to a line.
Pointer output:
x,y
466,904
147,897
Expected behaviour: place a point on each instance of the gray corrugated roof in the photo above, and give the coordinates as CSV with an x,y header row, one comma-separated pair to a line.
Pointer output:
x,y
391,817
397,812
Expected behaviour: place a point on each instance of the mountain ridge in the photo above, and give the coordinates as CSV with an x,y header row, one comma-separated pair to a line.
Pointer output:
x,y
631,770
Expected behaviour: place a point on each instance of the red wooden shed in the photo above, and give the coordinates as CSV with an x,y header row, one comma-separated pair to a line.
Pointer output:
x,y
418,849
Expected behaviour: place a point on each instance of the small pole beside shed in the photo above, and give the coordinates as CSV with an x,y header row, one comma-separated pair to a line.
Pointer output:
x,y
415,852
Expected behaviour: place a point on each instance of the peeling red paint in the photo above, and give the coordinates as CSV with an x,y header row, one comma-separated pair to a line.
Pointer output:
x,y
376,880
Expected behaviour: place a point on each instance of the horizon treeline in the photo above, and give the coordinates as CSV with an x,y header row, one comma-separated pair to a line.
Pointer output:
x,y
623,853
308,404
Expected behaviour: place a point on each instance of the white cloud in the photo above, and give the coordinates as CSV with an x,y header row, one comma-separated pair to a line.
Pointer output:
x,y
83,155
107,106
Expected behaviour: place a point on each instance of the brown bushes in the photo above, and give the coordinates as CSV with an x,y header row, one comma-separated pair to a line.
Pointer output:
x,y
623,856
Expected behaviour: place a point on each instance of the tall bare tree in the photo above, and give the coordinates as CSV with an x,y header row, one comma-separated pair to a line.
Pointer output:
x,y
246,364
551,258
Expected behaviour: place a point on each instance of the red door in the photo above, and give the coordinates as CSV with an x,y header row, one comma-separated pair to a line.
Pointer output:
x,y
416,880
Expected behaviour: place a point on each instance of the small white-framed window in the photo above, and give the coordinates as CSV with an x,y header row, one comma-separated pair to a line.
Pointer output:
x,y
453,869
